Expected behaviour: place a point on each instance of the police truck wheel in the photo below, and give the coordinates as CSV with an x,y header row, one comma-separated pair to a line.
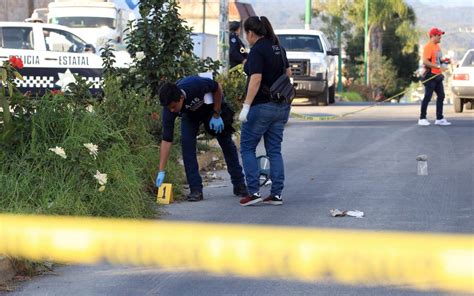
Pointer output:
x,y
332,94
323,99
458,105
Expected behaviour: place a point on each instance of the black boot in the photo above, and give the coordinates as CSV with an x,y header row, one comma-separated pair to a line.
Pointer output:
x,y
195,196
241,190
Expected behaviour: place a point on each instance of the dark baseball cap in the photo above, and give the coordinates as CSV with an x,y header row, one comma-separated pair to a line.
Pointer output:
x,y
234,26
436,31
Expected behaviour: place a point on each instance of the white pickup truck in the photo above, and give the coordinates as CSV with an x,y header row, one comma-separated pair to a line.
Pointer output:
x,y
313,63
51,54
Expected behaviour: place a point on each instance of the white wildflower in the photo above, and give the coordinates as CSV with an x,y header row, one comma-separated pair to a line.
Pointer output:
x,y
101,188
93,149
140,55
90,109
59,151
101,178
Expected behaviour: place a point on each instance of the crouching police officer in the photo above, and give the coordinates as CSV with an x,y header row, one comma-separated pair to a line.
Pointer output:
x,y
186,100
237,52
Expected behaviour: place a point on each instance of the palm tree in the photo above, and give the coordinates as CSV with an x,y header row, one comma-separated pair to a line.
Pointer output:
x,y
382,12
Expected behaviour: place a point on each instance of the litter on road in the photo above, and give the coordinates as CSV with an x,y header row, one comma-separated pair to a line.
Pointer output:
x,y
422,161
339,213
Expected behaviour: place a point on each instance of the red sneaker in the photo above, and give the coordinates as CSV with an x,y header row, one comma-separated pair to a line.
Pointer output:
x,y
275,200
251,199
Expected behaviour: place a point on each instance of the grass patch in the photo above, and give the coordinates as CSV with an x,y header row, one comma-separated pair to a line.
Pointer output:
x,y
35,180
352,96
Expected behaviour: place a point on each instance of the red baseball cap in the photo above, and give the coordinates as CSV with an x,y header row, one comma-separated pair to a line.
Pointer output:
x,y
436,31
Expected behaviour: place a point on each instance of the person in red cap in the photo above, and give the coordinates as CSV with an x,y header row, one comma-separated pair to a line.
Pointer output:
x,y
433,60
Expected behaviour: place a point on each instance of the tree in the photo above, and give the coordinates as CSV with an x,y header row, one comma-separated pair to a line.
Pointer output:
x,y
334,16
401,46
165,41
383,76
381,12
160,43
392,36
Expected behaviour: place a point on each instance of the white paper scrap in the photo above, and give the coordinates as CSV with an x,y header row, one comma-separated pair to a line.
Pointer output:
x,y
356,213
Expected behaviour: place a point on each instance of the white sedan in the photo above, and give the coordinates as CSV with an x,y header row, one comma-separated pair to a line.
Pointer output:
x,y
463,82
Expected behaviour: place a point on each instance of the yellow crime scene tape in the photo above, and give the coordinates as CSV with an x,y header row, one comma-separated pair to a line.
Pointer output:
x,y
332,117
410,260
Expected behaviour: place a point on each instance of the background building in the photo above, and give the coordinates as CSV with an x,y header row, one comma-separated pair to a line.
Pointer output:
x,y
203,15
19,10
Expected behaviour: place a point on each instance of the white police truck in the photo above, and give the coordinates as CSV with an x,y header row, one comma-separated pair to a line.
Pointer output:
x,y
51,54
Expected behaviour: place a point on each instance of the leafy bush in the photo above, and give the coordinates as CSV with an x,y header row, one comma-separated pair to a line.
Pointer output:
x,y
160,43
164,40
233,83
362,90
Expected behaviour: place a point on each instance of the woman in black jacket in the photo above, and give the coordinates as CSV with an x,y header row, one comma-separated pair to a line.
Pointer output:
x,y
260,116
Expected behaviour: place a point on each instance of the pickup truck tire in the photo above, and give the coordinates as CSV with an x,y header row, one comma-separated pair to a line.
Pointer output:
x,y
323,98
332,94
468,105
458,105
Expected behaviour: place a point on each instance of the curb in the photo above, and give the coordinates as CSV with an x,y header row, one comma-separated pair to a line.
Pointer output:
x,y
6,270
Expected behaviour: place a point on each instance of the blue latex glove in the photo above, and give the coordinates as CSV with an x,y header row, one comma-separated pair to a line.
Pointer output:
x,y
160,178
216,124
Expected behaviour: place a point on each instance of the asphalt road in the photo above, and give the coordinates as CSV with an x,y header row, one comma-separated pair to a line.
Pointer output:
x,y
365,161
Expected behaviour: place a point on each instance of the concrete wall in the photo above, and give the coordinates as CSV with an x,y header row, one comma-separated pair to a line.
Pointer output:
x,y
19,10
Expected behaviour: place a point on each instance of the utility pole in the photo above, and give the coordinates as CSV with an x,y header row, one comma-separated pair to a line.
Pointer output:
x,y
366,43
308,14
223,49
339,45
203,43
31,7
204,16
339,59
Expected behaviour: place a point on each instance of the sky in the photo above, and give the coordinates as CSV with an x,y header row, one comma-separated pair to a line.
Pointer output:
x,y
450,2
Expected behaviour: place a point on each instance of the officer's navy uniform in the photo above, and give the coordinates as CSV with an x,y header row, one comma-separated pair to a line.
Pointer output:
x,y
193,113
266,59
237,52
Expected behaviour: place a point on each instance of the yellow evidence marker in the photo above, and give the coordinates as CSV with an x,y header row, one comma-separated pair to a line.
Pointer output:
x,y
165,194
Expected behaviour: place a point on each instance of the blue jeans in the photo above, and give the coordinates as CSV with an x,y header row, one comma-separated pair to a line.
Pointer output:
x,y
434,85
267,121
189,132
